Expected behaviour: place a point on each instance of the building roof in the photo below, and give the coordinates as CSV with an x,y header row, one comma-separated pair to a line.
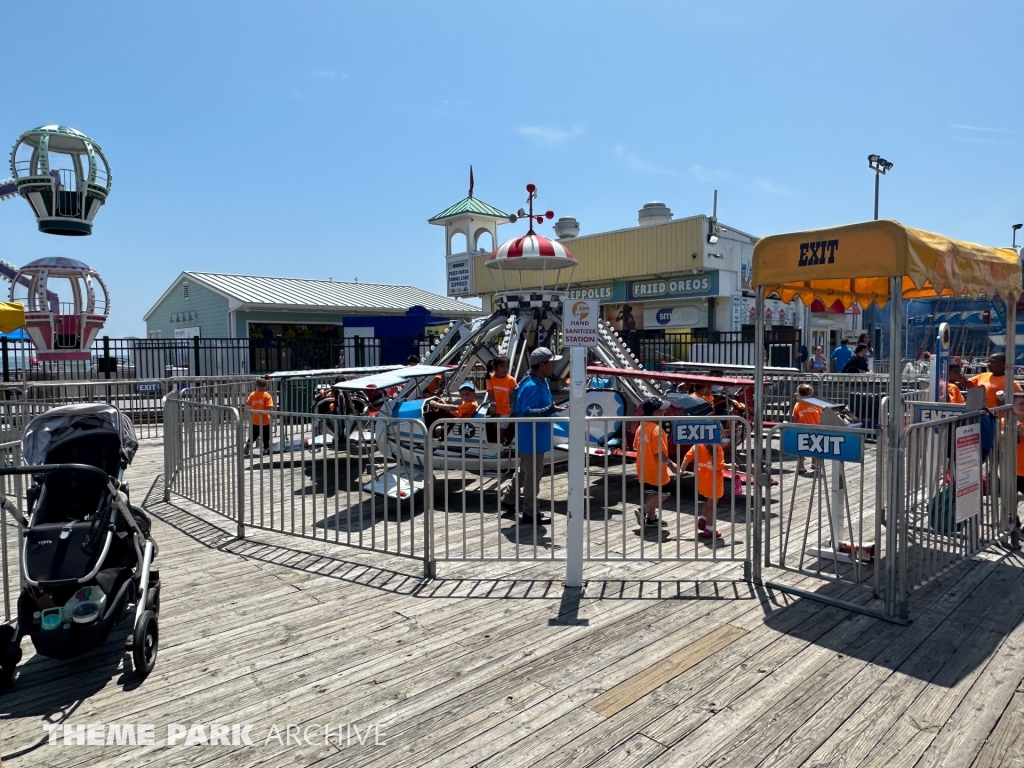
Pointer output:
x,y
253,291
469,205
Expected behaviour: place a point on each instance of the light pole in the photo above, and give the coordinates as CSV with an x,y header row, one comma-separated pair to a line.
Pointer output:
x,y
880,166
1015,228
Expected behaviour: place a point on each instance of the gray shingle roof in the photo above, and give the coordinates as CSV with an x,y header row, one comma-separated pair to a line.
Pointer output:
x,y
359,297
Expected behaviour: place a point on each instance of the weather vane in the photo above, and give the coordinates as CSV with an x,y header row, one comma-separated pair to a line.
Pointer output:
x,y
531,196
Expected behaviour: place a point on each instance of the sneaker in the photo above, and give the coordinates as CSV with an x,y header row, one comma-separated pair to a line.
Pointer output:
x,y
652,522
540,519
706,534
507,504
702,523
639,511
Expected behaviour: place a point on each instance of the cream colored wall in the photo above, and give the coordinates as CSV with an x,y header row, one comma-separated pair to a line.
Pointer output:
x,y
623,255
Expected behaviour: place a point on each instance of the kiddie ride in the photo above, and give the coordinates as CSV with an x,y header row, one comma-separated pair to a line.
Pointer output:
x,y
524,318
65,179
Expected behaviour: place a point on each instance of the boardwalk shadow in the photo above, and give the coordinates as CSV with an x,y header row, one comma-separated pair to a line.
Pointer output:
x,y
958,620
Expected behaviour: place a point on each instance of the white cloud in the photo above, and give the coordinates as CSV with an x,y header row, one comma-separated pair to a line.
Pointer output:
x,y
545,135
974,140
763,185
637,165
717,176
977,128
709,175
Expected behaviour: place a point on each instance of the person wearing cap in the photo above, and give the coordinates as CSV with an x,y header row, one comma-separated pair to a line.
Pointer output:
x,y
465,409
533,439
654,468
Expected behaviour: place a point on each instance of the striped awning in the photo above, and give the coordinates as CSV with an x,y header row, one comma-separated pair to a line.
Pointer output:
x,y
531,251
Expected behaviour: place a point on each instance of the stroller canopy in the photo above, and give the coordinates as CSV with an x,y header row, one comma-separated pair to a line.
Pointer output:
x,y
58,425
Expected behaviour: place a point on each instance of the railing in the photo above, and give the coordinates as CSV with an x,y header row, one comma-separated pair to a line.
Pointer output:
x,y
712,347
952,498
450,489
165,358
11,532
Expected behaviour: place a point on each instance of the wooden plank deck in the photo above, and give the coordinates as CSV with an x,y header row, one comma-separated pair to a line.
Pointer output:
x,y
494,664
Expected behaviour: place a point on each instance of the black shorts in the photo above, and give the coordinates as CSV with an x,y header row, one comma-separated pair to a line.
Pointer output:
x,y
666,488
1020,482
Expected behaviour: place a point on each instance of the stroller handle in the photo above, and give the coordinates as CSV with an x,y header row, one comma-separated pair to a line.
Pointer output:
x,y
43,469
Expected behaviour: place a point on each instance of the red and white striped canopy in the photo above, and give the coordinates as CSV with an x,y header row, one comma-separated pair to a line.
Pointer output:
x,y
531,252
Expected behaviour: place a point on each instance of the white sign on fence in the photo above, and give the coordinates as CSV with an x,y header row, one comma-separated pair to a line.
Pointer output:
x,y
186,333
579,328
968,471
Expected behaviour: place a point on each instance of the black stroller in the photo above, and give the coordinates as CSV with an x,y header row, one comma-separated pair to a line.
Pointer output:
x,y
87,553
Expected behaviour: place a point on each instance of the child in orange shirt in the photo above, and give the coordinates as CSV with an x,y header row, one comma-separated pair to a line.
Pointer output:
x,y
259,403
465,409
805,413
654,468
710,469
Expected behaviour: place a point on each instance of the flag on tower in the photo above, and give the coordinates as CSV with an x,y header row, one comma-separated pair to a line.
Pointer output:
x,y
471,181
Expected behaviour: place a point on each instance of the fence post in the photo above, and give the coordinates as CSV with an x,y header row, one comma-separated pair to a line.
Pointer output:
x,y
577,459
195,352
106,357
7,365
172,435
429,563
240,443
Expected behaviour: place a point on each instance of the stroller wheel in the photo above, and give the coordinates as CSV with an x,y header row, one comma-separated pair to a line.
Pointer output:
x,y
9,658
144,643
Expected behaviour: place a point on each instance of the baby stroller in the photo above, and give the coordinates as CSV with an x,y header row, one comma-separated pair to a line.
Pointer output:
x,y
87,553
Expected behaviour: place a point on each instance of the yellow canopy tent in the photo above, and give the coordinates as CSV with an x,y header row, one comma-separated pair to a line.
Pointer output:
x,y
12,316
873,262
854,263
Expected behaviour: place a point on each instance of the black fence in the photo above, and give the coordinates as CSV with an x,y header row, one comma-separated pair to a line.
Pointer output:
x,y
714,347
161,358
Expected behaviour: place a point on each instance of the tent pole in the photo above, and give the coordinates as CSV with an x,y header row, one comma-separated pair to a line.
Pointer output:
x,y
895,552
1009,469
760,478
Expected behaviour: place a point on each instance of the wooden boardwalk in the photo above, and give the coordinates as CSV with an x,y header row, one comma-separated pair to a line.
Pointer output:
x,y
493,664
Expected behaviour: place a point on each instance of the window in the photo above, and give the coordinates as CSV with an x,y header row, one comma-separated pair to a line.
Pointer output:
x,y
184,290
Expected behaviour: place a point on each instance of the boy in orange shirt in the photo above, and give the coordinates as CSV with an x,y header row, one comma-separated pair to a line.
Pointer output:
x,y
710,469
994,380
805,413
259,403
465,409
654,468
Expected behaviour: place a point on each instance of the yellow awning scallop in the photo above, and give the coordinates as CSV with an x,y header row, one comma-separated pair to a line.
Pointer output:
x,y
853,263
12,316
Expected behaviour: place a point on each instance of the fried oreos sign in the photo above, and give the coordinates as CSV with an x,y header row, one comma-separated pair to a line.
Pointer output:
x,y
818,252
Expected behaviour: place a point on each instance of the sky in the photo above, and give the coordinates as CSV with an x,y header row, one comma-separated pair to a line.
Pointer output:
x,y
315,139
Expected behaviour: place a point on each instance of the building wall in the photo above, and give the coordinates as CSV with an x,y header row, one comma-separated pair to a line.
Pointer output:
x,y
207,309
631,253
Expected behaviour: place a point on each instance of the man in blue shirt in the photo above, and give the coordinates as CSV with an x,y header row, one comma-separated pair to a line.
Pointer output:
x,y
840,355
532,399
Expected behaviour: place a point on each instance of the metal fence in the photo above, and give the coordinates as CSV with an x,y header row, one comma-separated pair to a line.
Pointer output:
x,y
953,498
445,489
713,347
165,358
11,532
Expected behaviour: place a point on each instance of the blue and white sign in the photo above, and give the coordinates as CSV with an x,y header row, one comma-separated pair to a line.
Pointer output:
x,y
822,443
934,411
698,432
148,387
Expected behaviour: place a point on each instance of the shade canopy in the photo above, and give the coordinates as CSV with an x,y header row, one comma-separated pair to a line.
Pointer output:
x,y
531,251
853,263
12,316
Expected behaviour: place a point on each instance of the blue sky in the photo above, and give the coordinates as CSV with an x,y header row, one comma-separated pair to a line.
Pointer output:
x,y
315,140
